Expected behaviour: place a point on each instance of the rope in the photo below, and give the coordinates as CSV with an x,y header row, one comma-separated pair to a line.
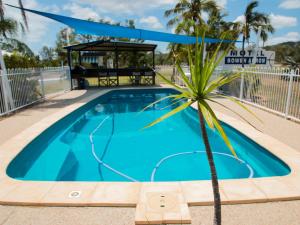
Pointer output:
x,y
251,172
99,160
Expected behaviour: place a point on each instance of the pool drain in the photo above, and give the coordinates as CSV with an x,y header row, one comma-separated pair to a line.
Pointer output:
x,y
251,171
75,194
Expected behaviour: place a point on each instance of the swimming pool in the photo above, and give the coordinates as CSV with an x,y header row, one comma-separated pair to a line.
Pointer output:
x,y
104,141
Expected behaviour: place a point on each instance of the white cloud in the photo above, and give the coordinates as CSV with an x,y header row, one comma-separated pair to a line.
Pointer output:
x,y
240,18
290,4
38,25
291,36
221,3
279,21
151,22
81,12
129,7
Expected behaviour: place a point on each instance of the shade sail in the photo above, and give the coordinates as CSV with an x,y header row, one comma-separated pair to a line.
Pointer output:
x,y
102,29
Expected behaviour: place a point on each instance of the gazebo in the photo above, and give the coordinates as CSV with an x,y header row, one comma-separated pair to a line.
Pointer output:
x,y
104,61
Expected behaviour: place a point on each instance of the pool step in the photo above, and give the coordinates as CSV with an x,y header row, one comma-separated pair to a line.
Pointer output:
x,y
50,163
162,205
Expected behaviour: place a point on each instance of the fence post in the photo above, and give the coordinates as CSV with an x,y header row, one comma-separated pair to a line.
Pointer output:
x,y
3,91
242,84
42,83
288,99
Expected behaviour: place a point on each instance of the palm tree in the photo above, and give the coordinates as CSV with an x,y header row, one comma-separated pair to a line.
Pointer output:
x,y
200,90
2,13
216,26
9,28
186,10
254,20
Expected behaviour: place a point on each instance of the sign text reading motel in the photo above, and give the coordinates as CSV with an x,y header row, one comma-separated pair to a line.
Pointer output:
x,y
238,56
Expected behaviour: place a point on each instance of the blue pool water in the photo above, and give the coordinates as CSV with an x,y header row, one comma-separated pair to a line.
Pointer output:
x,y
104,141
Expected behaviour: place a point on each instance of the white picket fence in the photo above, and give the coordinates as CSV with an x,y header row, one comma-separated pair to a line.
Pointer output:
x,y
274,89
31,85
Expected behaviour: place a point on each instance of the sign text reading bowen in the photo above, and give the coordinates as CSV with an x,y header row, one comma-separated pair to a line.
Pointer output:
x,y
238,56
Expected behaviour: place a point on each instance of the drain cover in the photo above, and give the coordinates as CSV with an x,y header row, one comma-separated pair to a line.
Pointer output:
x,y
74,194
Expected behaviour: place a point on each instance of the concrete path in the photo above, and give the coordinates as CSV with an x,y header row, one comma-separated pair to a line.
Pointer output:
x,y
275,213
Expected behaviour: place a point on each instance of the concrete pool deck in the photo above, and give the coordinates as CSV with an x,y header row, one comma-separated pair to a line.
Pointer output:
x,y
19,122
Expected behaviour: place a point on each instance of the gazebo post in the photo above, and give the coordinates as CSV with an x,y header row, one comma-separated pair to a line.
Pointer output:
x,y
79,58
153,66
70,66
117,64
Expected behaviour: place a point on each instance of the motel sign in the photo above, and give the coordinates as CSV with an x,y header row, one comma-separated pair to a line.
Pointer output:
x,y
261,57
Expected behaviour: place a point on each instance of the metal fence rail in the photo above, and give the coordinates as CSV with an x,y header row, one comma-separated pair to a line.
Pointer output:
x,y
31,85
275,89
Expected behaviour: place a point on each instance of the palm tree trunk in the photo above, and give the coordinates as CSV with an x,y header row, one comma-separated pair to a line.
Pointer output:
x,y
243,49
214,177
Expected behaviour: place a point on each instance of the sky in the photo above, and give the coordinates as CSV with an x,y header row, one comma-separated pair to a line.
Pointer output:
x,y
147,14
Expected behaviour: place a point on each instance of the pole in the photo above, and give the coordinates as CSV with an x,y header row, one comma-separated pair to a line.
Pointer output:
x,y
289,95
67,31
7,95
256,46
204,52
242,84
70,66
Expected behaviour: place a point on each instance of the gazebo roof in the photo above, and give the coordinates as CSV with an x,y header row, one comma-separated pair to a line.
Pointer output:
x,y
111,46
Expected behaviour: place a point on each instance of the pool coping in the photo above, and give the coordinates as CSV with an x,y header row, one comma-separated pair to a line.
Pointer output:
x,y
129,194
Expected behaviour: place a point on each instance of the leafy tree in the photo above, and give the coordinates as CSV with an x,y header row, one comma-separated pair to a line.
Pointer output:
x,y
253,20
9,29
17,60
188,17
200,90
189,10
216,26
49,57
8,26
24,23
14,45
64,37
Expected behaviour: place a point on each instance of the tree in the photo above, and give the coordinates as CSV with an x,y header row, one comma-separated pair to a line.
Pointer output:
x,y
64,37
49,57
8,26
252,21
199,90
9,29
24,23
14,45
17,60
189,10
216,26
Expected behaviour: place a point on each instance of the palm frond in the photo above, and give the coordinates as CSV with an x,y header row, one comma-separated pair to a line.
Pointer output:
x,y
169,114
178,88
234,112
185,79
23,14
220,81
159,100
241,105
1,10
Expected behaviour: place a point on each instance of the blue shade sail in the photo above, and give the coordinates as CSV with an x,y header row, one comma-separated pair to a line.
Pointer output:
x,y
102,29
